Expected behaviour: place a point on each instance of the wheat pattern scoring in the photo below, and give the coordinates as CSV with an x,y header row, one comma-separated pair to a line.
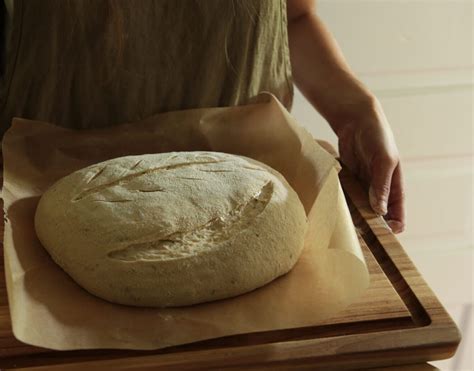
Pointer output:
x,y
187,243
124,179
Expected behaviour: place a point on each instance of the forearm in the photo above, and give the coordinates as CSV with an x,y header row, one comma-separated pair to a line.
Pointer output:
x,y
321,73
365,141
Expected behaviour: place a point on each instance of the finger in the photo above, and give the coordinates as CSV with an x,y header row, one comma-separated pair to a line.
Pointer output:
x,y
396,203
379,190
348,156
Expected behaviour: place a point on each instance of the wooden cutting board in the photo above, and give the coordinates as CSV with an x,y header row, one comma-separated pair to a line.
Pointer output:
x,y
397,321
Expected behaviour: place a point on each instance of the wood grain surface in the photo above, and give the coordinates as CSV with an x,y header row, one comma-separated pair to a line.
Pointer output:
x,y
397,321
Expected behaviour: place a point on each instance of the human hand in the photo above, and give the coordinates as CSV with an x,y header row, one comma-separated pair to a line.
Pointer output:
x,y
366,143
367,147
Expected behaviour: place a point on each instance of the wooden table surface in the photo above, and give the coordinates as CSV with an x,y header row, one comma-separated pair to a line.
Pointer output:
x,y
397,321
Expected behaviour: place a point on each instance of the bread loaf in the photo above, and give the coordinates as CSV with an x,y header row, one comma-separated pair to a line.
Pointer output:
x,y
172,229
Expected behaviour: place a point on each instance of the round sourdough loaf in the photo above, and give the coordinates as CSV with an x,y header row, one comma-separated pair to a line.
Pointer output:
x,y
172,229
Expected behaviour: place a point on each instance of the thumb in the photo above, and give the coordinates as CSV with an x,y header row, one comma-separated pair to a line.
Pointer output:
x,y
379,189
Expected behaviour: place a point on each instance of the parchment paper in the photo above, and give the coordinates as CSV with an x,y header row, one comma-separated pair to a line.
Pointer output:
x,y
50,310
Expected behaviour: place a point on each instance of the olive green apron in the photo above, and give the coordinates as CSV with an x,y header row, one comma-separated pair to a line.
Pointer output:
x,y
110,62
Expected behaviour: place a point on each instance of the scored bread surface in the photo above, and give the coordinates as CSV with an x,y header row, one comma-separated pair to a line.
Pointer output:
x,y
172,229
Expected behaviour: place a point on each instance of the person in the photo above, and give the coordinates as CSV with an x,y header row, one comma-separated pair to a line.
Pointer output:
x,y
87,63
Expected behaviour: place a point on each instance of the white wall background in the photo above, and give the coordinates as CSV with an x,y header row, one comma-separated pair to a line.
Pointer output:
x,y
417,57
